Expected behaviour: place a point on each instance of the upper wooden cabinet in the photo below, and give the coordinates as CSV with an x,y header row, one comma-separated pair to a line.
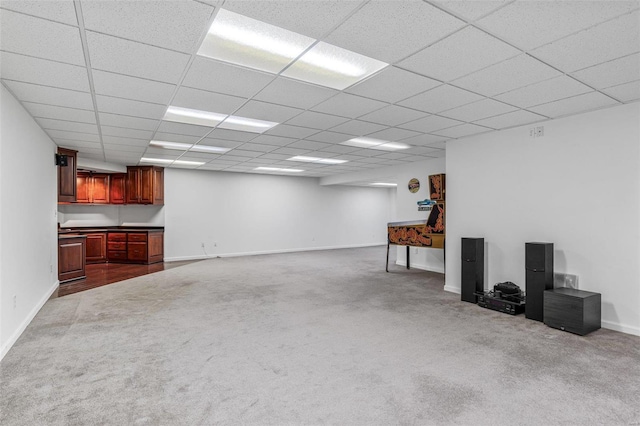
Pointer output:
x,y
145,185
92,188
67,177
117,188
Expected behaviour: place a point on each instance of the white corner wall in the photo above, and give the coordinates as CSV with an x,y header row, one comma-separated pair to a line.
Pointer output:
x,y
28,247
577,187
429,259
240,214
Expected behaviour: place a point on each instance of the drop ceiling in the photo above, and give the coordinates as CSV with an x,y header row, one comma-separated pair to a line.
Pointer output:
x,y
99,76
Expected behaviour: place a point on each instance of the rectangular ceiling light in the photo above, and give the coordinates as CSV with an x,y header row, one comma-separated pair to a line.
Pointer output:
x,y
193,116
376,144
246,124
333,66
251,43
188,163
189,147
316,160
167,161
278,169
384,184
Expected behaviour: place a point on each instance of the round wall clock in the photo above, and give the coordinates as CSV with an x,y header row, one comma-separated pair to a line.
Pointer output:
x,y
414,185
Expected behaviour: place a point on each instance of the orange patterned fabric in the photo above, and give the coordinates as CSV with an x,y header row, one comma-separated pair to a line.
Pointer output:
x,y
409,236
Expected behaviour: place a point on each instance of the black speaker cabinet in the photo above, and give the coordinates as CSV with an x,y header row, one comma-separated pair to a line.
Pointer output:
x,y
572,310
472,268
539,277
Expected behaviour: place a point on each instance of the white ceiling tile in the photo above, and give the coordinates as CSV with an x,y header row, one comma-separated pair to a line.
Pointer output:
x,y
28,92
55,10
625,92
175,25
187,97
393,155
408,26
612,73
440,99
77,144
110,148
529,24
393,134
358,128
126,133
218,77
136,59
340,149
610,40
393,115
311,18
250,146
426,141
291,131
265,111
276,157
273,140
316,120
219,143
40,38
174,137
459,54
129,107
117,140
232,135
462,130
349,105
478,110
508,75
470,10
40,71
543,92
127,121
312,145
124,86
60,113
183,129
431,123
330,137
574,105
285,91
511,119
71,126
74,136
292,151
384,85
240,152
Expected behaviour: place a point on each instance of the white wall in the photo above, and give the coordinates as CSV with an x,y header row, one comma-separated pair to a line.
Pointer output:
x,y
407,209
235,214
28,247
82,215
578,187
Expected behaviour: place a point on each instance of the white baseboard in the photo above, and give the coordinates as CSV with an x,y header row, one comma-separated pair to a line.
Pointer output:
x,y
620,327
256,253
18,332
421,266
451,289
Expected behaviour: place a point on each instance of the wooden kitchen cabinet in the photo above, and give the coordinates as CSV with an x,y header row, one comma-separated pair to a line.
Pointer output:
x,y
145,185
71,257
117,188
92,188
96,247
139,246
67,177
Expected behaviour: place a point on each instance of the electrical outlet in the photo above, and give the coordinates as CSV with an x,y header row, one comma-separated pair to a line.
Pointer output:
x,y
15,302
50,268
215,244
536,132
202,245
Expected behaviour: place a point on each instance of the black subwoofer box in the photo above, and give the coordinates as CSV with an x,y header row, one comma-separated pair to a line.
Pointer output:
x,y
572,310
472,279
539,277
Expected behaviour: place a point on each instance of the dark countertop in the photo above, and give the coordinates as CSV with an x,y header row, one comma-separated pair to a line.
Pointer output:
x,y
65,236
75,230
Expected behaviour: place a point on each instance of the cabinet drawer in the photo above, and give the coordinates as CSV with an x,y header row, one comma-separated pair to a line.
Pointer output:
x,y
137,251
137,237
117,255
117,245
117,236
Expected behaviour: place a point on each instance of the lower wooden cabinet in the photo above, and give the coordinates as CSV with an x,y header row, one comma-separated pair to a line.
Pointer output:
x,y
97,247
136,246
71,257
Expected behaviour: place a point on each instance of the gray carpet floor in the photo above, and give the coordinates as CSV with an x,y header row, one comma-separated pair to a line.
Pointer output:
x,y
307,338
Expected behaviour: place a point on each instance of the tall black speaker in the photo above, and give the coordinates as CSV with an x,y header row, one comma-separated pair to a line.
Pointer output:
x,y
539,277
472,268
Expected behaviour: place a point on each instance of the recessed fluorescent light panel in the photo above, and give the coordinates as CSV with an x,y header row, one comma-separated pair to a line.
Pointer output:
x,y
251,43
316,160
333,66
188,147
245,41
384,184
376,144
213,119
172,162
278,169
